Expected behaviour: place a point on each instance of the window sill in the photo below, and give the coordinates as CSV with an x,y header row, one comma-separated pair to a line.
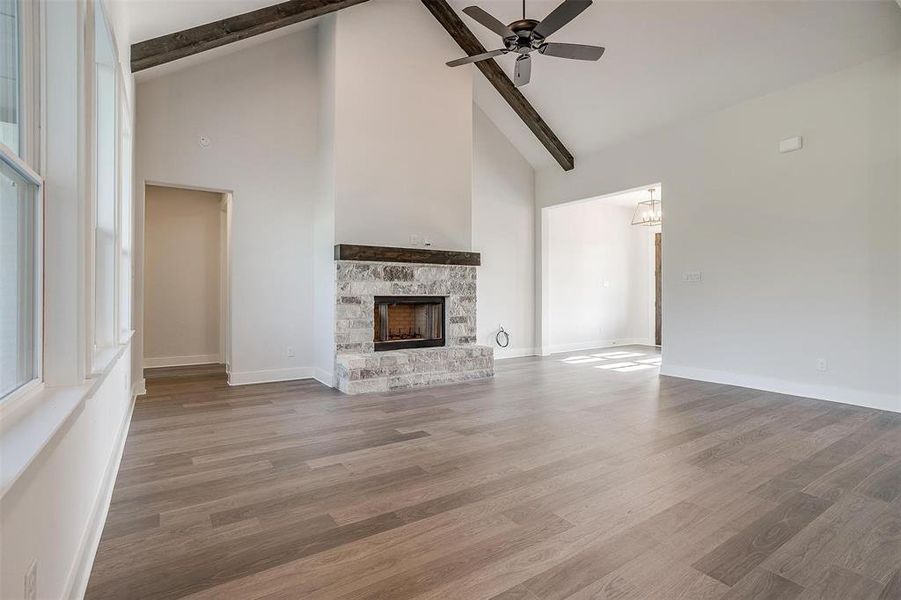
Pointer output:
x,y
27,427
26,431
104,357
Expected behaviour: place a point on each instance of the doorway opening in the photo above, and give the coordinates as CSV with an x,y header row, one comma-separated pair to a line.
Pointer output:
x,y
602,279
186,280
658,289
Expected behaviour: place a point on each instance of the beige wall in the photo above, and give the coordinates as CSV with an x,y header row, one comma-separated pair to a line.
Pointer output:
x,y
182,252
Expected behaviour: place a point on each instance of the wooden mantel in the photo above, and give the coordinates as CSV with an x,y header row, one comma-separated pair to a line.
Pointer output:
x,y
406,255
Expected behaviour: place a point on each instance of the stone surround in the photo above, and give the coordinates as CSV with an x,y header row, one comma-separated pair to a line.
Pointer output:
x,y
418,367
358,368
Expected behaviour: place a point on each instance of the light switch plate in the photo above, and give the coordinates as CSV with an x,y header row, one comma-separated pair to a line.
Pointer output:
x,y
791,144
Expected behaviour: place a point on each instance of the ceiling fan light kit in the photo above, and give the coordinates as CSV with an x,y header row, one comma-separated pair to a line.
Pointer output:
x,y
525,36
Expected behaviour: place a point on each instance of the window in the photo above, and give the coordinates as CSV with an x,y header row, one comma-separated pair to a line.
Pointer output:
x,y
20,219
18,281
125,221
105,186
10,79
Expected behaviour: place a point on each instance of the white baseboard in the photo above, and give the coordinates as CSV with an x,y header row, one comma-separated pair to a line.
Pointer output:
x,y
139,388
595,344
324,377
181,361
878,401
90,542
502,353
269,375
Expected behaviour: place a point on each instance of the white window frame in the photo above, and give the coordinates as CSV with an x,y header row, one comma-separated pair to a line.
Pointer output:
x,y
28,174
30,113
98,357
125,221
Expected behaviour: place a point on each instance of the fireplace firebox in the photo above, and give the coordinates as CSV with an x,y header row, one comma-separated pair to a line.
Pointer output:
x,y
408,322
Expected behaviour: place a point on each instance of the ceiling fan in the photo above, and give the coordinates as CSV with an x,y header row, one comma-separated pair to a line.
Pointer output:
x,y
528,35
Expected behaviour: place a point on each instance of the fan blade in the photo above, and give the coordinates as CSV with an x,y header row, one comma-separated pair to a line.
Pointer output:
x,y
560,16
476,57
576,51
523,71
488,21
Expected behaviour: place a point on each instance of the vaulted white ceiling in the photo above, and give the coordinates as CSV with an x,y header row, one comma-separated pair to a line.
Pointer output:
x,y
666,60
153,18
671,60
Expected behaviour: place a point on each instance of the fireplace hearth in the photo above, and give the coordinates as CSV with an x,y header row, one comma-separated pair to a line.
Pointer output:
x,y
401,322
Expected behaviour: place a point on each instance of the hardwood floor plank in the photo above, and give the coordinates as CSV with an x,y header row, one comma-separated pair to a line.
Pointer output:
x,y
797,477
884,484
454,565
848,475
808,555
738,556
892,589
598,560
875,550
842,584
760,584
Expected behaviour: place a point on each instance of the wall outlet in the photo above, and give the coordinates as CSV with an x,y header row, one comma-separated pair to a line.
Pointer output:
x,y
290,351
691,276
822,365
415,240
31,581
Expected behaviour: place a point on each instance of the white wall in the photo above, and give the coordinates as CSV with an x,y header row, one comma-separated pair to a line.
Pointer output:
x,y
324,210
259,108
503,221
599,272
799,252
403,129
182,256
53,512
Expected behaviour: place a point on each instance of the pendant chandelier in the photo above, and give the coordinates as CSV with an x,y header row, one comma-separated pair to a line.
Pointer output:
x,y
648,212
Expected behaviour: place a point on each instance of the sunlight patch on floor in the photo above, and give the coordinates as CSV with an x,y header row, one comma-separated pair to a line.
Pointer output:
x,y
615,365
617,361
631,368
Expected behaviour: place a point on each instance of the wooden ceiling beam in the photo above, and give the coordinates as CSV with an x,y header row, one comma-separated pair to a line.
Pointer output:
x,y
166,48
445,15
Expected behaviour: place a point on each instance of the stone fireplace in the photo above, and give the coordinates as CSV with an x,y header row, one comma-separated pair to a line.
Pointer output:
x,y
406,318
